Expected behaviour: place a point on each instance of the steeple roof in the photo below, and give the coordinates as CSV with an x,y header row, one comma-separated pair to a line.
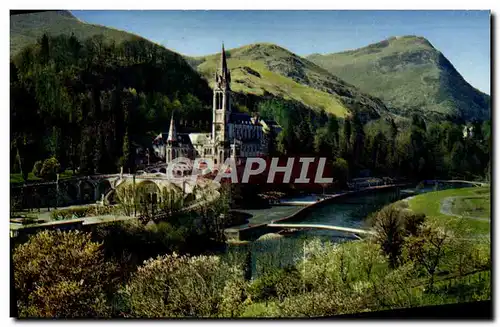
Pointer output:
x,y
172,135
223,77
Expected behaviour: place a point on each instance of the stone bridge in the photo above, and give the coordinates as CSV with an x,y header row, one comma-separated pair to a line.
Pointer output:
x,y
89,189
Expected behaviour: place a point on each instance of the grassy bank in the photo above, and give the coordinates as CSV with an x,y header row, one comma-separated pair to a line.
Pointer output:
x,y
472,199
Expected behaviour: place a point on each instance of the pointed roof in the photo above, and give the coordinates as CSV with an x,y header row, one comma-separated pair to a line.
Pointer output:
x,y
172,135
223,77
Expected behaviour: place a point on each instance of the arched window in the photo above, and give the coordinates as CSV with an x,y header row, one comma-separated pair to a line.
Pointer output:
x,y
218,101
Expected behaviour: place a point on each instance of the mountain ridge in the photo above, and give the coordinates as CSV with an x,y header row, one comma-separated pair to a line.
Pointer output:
x,y
409,74
397,76
274,59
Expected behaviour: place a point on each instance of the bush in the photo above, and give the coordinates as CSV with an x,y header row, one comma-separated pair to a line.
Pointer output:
x,y
62,274
64,214
81,212
182,286
49,169
277,283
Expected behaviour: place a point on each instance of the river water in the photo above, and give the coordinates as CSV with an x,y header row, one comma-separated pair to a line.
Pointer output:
x,y
274,250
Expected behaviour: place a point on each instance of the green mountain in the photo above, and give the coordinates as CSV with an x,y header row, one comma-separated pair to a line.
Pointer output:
x,y
258,69
25,29
410,75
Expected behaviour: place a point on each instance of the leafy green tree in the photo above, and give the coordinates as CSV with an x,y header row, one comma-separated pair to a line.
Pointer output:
x,y
429,249
62,275
50,169
125,161
347,135
341,171
389,228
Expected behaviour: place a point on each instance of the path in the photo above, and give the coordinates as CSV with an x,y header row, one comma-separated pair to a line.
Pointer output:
x,y
447,203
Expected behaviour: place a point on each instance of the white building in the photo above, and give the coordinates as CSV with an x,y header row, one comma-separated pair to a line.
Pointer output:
x,y
234,134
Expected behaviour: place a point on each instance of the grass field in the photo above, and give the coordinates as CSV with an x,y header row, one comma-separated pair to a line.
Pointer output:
x,y
18,177
477,206
431,205
245,80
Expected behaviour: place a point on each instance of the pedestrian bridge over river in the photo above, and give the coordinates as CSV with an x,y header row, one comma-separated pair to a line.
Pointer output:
x,y
329,227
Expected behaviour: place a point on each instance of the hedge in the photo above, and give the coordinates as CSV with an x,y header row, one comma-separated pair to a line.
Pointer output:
x,y
81,212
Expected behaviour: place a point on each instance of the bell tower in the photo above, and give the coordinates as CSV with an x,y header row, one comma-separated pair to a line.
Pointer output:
x,y
221,109
222,100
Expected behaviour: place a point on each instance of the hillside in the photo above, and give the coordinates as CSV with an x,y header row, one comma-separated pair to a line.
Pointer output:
x,y
260,68
409,74
25,29
88,101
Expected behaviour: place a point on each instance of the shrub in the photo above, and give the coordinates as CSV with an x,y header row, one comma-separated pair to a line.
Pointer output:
x,y
80,212
61,274
182,286
60,214
277,283
49,169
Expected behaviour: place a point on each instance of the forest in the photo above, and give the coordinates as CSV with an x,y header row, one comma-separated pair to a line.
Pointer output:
x,y
88,104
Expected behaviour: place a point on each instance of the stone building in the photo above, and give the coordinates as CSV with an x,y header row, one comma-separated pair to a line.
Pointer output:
x,y
234,134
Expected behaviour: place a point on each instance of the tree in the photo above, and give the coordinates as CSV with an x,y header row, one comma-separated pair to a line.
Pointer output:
x,y
61,275
428,249
16,167
341,171
347,135
125,161
49,169
359,139
388,226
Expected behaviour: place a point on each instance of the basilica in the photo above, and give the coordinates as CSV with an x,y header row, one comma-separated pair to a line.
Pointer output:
x,y
236,135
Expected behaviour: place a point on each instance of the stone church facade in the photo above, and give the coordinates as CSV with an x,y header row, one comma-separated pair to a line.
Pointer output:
x,y
236,135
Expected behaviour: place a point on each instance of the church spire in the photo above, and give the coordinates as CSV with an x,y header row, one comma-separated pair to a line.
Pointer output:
x,y
223,78
172,136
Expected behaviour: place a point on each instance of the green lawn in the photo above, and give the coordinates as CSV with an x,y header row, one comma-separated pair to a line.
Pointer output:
x,y
477,206
430,204
18,177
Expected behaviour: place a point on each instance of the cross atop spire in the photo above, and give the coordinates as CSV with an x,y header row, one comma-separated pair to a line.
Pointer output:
x,y
172,135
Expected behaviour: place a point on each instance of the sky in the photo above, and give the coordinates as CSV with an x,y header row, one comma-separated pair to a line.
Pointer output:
x,y
462,36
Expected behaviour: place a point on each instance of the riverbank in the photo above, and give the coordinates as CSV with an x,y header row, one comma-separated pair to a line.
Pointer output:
x,y
251,232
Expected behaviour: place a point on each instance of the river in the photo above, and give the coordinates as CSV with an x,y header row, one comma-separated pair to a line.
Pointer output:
x,y
274,250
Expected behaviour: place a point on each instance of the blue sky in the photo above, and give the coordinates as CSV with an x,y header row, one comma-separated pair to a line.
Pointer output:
x,y
462,36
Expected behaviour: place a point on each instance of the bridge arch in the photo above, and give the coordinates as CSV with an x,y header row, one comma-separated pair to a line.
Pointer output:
x,y
72,191
103,188
86,191
147,189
